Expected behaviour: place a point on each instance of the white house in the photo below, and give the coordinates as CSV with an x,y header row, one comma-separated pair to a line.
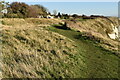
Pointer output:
x,y
40,16
4,11
50,17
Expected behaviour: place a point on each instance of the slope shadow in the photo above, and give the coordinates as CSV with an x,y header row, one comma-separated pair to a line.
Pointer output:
x,y
62,26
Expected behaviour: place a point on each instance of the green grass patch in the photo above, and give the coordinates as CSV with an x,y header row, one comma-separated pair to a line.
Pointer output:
x,y
100,63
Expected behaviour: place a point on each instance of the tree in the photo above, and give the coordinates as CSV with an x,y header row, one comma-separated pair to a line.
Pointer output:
x,y
59,15
3,5
65,16
75,15
3,8
49,13
22,10
34,12
38,10
19,9
55,12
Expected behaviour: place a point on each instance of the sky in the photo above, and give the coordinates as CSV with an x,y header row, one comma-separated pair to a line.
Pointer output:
x,y
65,0
77,7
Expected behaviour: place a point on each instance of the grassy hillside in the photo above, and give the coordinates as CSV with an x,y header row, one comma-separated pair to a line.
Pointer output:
x,y
98,29
31,50
99,62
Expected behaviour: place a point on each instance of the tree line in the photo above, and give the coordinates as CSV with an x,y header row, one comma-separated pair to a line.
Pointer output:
x,y
22,10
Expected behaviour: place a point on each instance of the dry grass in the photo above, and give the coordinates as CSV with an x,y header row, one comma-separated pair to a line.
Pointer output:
x,y
29,50
99,29
27,23
28,53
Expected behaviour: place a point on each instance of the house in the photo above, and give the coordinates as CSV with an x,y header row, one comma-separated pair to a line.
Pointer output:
x,y
50,17
4,11
40,16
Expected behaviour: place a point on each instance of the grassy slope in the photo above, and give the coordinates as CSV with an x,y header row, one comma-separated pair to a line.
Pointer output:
x,y
100,63
99,29
35,52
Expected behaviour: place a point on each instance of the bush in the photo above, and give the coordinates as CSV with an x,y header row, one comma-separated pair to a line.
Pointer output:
x,y
12,15
62,26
